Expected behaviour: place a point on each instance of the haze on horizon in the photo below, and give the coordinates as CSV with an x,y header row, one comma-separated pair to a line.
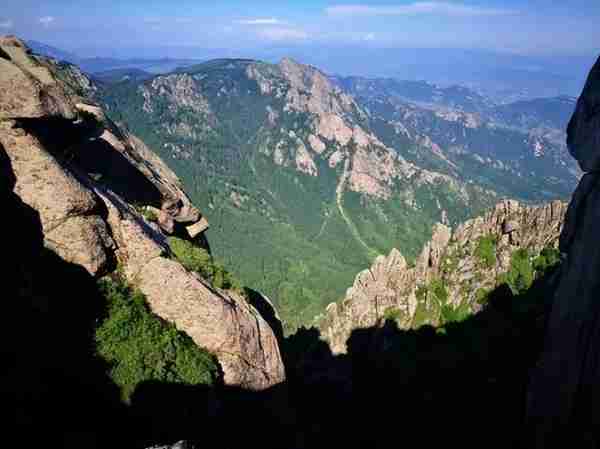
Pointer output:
x,y
453,41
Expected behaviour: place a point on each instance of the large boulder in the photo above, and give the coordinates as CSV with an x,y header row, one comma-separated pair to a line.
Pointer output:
x,y
583,138
69,212
28,88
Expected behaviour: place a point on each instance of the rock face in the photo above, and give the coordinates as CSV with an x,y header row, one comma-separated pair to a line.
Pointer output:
x,y
393,289
27,87
565,393
90,181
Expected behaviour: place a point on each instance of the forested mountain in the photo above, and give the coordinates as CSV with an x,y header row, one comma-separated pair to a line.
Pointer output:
x,y
305,183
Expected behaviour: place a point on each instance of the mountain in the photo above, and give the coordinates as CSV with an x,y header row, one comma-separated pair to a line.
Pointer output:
x,y
455,274
120,75
553,113
42,49
107,67
291,175
99,65
305,183
494,144
420,92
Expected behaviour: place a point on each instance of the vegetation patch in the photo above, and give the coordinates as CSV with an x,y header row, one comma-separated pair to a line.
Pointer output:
x,y
392,314
451,314
146,212
521,274
140,347
485,251
546,261
200,261
482,296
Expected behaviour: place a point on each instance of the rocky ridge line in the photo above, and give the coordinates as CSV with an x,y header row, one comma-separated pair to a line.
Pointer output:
x,y
391,285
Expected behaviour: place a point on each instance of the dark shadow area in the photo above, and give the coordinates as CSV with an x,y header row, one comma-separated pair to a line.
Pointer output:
x,y
57,391
4,55
79,145
462,385
266,310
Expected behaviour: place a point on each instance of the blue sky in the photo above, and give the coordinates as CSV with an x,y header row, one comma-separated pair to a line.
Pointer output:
x,y
537,27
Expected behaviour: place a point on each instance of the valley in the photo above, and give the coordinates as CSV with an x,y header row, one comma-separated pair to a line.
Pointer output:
x,y
305,179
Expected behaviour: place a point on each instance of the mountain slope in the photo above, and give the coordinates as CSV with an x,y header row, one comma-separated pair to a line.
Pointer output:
x,y
305,184
291,175
516,149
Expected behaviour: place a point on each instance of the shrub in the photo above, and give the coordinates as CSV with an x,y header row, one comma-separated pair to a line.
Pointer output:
x,y
486,251
548,259
450,314
450,262
149,215
141,347
200,261
421,293
520,276
438,289
392,314
482,296
145,212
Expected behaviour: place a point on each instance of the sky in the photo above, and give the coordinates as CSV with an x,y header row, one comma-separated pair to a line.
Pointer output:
x,y
115,27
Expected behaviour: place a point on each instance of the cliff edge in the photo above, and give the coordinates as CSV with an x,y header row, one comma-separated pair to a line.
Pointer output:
x,y
564,396
106,201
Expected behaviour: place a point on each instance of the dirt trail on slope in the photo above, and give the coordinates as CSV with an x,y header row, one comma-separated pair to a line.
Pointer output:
x,y
339,191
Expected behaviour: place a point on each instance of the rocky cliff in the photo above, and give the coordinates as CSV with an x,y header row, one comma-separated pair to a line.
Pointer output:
x,y
105,200
454,273
564,393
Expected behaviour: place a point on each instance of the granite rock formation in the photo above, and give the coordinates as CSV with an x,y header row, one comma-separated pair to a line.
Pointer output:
x,y
105,200
393,289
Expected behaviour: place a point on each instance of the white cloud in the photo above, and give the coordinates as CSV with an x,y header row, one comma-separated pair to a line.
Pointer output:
x,y
369,37
265,21
6,24
46,20
283,34
416,8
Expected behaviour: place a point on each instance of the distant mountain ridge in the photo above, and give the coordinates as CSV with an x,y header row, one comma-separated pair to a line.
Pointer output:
x,y
52,52
105,65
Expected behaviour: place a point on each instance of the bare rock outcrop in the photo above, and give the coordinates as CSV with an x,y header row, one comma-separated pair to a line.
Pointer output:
x,y
89,181
564,396
28,88
391,289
